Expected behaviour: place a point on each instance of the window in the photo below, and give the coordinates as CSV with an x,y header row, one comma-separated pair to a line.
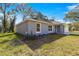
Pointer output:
x,y
38,28
49,28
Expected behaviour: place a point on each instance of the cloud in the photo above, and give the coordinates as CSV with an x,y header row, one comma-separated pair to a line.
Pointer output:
x,y
72,6
65,12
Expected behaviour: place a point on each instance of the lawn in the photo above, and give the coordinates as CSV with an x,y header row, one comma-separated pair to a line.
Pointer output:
x,y
74,32
12,44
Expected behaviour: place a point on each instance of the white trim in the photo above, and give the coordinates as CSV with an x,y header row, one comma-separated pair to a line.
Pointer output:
x,y
52,29
36,28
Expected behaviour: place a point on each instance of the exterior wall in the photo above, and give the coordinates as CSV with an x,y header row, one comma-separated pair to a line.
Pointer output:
x,y
61,29
53,29
23,28
44,28
32,28
66,29
29,27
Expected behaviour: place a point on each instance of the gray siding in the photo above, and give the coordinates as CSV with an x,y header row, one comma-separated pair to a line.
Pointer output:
x,y
44,28
61,29
23,28
30,28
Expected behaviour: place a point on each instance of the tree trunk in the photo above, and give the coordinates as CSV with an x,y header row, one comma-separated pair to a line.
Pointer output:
x,y
4,20
12,24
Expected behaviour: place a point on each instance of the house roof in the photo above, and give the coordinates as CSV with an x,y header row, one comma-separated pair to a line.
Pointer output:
x,y
42,21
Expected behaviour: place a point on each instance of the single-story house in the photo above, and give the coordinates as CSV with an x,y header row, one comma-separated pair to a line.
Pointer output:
x,y
40,27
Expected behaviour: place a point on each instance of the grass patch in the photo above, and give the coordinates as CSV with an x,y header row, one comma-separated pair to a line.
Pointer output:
x,y
74,32
11,44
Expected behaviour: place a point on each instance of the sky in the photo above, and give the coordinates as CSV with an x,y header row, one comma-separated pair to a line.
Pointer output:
x,y
55,10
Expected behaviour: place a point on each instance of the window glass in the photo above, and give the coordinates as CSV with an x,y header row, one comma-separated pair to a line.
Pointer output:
x,y
38,28
49,28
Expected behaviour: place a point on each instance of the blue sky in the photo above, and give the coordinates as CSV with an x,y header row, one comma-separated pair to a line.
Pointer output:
x,y
56,10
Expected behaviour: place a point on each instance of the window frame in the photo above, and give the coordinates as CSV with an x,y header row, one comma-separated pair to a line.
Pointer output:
x,y
51,28
39,28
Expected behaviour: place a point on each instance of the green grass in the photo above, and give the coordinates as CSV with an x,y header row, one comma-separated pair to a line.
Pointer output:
x,y
74,32
50,45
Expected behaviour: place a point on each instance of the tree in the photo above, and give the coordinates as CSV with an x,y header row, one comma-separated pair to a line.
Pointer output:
x,y
12,24
8,13
38,16
25,10
0,27
45,18
52,19
73,15
33,14
29,12
3,10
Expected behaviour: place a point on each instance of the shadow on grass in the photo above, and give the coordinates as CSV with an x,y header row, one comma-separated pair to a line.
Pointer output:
x,y
14,41
6,35
37,43
33,44
4,41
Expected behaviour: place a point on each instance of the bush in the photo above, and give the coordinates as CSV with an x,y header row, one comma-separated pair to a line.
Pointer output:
x,y
30,37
